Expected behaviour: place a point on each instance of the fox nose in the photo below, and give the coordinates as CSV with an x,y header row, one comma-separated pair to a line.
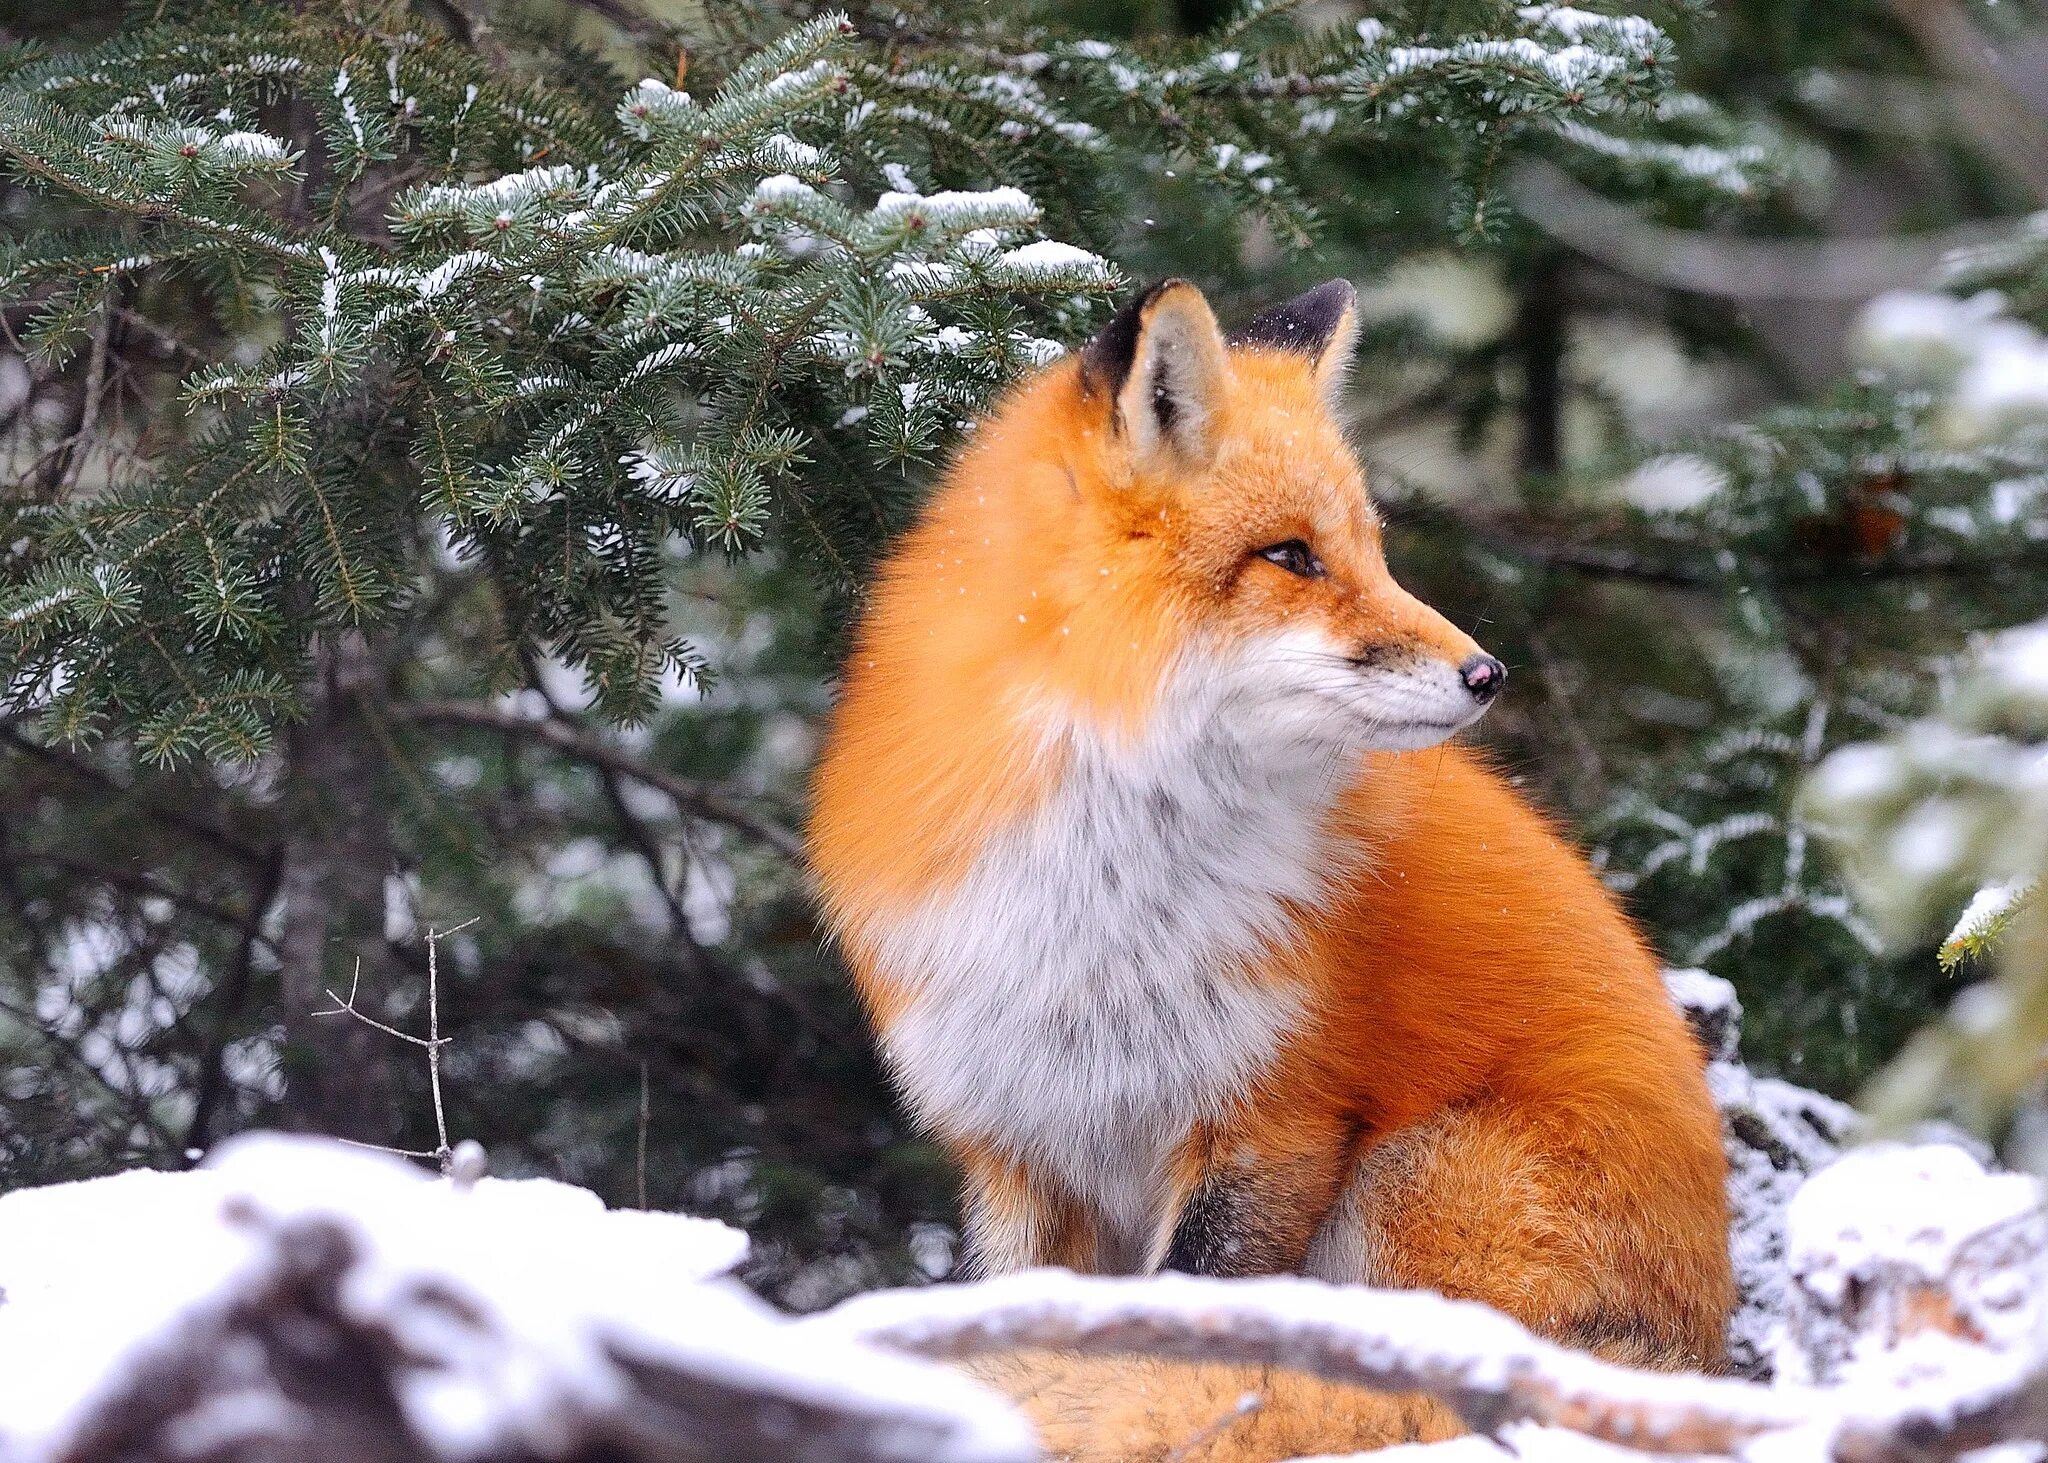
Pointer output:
x,y
1483,677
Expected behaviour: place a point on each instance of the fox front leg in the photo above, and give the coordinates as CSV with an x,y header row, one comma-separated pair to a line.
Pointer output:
x,y
1018,1219
1253,1201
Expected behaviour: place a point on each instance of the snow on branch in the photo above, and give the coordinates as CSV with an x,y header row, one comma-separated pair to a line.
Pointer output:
x,y
1487,1368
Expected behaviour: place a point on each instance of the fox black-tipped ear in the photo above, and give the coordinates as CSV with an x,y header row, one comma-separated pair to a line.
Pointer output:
x,y
1161,362
1322,325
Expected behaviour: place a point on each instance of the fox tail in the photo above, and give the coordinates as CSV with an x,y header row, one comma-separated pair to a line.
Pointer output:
x,y
1138,1409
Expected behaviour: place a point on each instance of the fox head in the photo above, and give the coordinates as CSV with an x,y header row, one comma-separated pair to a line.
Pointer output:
x,y
1171,498
1222,468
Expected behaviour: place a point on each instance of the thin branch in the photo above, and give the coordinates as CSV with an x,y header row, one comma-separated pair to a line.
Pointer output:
x,y
627,17
348,1008
77,767
72,451
442,1152
694,798
234,991
140,883
2003,123
1529,542
474,22
1722,266
289,251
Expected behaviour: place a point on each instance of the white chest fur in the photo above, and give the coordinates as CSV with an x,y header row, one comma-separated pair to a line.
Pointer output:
x,y
1081,999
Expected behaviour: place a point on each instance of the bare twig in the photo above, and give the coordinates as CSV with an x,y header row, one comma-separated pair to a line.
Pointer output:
x,y
443,1152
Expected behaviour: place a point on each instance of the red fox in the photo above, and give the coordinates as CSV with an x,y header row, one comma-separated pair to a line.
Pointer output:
x,y
1190,936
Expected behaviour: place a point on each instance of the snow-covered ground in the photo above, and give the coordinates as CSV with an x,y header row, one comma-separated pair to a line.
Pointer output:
x,y
297,1299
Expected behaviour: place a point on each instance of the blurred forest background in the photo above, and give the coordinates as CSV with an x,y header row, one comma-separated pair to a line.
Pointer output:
x,y
346,594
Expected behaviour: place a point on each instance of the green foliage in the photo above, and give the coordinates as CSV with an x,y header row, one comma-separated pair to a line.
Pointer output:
x,y
1951,803
1985,924
556,372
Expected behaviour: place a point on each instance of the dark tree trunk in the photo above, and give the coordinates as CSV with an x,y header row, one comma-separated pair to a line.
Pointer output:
x,y
337,854
1540,340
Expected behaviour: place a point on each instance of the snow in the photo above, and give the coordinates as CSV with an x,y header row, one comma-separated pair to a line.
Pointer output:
x,y
959,210
1569,68
1986,908
1993,367
2007,383
252,147
1732,170
1515,1443
1051,257
1923,335
1858,772
1572,24
2017,661
517,1313
653,103
1911,1263
489,198
435,282
1898,1206
230,150
1674,483
782,189
1774,1135
1707,997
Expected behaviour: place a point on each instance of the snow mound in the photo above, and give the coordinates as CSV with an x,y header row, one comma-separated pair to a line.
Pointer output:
x,y
1775,1134
295,1287
1900,1255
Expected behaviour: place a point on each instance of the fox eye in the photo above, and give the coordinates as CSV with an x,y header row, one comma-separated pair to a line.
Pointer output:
x,y
1295,557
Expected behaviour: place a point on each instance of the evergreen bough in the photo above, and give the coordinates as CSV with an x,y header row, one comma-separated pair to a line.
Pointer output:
x,y
447,314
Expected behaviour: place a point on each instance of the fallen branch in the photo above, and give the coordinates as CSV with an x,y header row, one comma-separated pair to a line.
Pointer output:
x,y
693,798
1485,1367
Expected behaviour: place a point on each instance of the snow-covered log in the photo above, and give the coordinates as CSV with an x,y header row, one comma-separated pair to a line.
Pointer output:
x,y
299,1300
302,1301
